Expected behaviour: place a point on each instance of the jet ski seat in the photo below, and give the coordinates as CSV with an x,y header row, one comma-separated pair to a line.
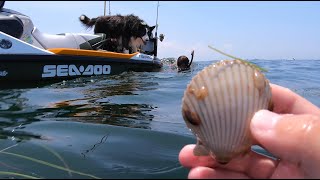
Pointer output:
x,y
69,40
95,43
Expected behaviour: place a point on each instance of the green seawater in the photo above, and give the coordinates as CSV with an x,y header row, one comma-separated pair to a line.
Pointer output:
x,y
123,126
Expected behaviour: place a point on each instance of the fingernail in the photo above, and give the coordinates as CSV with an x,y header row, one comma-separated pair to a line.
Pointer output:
x,y
264,120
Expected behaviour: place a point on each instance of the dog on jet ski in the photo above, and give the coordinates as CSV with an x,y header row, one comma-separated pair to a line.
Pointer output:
x,y
128,32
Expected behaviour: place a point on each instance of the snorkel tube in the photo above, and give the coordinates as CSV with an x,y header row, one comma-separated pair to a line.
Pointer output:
x,y
192,53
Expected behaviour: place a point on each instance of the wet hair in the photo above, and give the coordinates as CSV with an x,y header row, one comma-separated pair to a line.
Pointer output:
x,y
183,63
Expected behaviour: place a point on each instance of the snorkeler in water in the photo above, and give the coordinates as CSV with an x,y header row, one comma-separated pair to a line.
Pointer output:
x,y
183,62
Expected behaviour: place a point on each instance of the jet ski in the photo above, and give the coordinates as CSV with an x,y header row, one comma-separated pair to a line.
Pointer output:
x,y
29,55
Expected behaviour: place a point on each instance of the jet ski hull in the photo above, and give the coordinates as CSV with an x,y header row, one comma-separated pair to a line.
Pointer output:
x,y
48,67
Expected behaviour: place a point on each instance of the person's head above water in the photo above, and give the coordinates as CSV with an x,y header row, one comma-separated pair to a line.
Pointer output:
x,y
183,62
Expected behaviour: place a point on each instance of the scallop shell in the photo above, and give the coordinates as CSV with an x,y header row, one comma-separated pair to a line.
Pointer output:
x,y
219,103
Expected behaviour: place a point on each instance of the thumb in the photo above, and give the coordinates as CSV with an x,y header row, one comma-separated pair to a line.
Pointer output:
x,y
293,138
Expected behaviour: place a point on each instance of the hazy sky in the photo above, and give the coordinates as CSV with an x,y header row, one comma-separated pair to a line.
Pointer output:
x,y
262,30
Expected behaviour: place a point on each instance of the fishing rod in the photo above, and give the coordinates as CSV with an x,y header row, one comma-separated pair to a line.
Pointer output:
x,y
156,34
104,11
105,5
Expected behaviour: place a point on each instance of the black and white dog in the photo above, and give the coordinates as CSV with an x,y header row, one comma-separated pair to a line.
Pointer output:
x,y
130,32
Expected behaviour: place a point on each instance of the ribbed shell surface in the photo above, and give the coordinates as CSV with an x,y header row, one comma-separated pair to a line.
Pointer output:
x,y
219,103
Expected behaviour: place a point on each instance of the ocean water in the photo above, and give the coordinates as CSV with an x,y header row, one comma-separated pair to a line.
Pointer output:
x,y
123,126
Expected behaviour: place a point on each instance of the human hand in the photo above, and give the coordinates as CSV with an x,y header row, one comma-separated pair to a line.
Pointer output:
x,y
291,133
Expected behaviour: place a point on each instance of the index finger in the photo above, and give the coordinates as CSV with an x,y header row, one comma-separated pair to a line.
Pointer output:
x,y
286,101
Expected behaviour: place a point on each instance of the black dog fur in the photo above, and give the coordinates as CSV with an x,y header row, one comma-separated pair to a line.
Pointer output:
x,y
129,30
